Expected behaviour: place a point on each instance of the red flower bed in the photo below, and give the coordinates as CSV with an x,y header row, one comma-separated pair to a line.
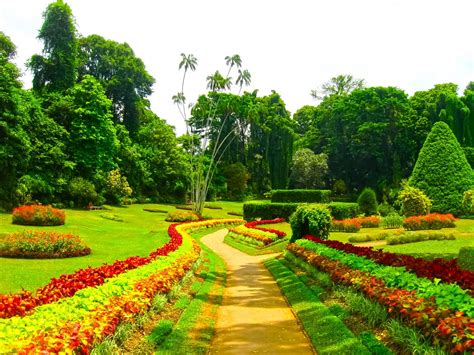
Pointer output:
x,y
453,330
68,284
430,221
37,215
254,225
447,271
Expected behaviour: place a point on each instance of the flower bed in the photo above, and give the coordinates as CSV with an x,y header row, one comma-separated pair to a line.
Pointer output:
x,y
446,271
451,329
42,245
430,221
75,323
67,285
37,215
258,235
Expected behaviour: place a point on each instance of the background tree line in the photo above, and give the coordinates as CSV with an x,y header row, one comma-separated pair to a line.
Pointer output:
x,y
85,131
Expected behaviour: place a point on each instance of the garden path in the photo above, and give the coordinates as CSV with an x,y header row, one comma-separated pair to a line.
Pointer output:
x,y
254,316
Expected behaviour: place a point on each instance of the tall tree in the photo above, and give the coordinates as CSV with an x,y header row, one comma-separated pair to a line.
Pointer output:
x,y
121,73
93,142
56,69
338,85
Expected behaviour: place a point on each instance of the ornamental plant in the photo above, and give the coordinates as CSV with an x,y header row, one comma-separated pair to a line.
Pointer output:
x,y
42,245
467,204
346,225
442,170
414,201
367,201
310,219
431,221
38,215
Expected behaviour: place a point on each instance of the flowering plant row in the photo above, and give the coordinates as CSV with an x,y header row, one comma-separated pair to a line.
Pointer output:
x,y
75,323
351,225
67,285
444,270
42,244
447,295
452,330
38,215
254,224
430,221
262,236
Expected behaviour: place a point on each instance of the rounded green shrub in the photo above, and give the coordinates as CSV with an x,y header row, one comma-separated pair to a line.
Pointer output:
x,y
82,192
393,220
442,170
311,219
467,204
414,201
368,202
466,258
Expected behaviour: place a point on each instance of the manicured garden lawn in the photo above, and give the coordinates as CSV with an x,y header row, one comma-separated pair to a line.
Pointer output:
x,y
139,234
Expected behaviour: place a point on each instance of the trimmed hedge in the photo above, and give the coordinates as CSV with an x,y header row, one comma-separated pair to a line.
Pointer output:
x,y
343,210
267,210
301,195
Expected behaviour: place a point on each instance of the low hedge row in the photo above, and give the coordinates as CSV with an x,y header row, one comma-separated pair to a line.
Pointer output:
x,y
301,195
343,210
268,210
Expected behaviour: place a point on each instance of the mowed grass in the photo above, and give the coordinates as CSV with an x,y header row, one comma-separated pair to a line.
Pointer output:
x,y
139,234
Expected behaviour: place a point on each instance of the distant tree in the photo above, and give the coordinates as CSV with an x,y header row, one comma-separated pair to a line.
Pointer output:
x,y
121,73
7,47
442,170
338,85
56,69
305,119
217,82
308,170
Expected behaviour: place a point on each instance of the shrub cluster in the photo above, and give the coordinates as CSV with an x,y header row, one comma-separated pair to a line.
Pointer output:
x,y
310,219
181,216
431,221
301,195
343,210
267,210
418,237
414,201
369,221
368,238
38,215
42,245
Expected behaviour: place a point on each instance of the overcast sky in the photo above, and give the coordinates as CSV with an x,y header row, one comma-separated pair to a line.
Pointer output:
x,y
288,46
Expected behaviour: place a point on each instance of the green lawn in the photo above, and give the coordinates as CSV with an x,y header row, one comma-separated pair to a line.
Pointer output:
x,y
140,233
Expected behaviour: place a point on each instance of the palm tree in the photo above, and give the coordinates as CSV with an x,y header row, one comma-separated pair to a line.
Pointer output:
x,y
189,62
232,61
244,77
216,82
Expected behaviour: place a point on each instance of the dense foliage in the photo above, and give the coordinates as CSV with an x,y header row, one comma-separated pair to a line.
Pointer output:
x,y
267,210
442,170
310,219
343,210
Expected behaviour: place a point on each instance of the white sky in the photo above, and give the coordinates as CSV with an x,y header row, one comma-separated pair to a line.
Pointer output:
x,y
288,46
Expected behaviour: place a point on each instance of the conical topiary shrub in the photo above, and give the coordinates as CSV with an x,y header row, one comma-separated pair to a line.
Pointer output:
x,y
442,170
